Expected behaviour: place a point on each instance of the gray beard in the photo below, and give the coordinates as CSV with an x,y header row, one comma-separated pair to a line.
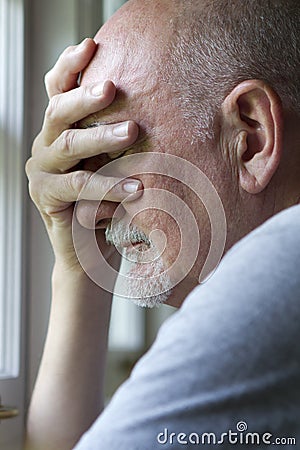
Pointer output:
x,y
144,279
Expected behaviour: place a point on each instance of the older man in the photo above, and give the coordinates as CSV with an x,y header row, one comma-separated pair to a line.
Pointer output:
x,y
212,91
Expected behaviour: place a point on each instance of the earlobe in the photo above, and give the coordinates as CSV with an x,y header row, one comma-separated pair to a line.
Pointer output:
x,y
253,116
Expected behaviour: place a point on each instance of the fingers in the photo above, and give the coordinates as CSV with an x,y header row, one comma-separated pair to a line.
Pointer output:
x,y
53,191
59,147
84,185
74,145
64,75
66,109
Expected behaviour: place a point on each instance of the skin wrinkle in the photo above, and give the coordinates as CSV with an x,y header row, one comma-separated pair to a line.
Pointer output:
x,y
121,109
140,145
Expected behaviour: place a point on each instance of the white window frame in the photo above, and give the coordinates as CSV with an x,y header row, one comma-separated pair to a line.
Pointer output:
x,y
11,183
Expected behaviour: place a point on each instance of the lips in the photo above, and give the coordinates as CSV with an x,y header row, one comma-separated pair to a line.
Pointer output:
x,y
138,246
126,236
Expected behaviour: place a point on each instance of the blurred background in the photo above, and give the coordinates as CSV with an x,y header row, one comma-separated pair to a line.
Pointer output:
x,y
32,35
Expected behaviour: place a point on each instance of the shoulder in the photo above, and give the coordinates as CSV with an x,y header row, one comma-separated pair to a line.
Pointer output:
x,y
267,259
227,355
257,284
283,227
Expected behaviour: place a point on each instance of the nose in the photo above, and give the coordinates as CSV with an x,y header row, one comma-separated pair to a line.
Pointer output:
x,y
91,215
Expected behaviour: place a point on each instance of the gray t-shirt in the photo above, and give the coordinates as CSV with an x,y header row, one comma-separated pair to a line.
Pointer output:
x,y
229,359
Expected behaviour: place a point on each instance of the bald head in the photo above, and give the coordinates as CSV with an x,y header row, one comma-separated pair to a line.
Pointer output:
x,y
134,40
204,48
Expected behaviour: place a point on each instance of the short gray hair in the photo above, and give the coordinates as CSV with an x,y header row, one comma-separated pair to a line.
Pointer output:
x,y
219,43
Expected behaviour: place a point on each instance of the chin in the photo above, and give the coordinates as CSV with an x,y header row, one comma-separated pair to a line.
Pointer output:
x,y
147,284
148,274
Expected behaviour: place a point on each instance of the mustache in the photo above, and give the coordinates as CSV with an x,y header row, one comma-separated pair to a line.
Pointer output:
x,y
118,233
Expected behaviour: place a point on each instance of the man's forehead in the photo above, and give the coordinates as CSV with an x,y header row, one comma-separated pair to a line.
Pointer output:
x,y
124,64
137,81
135,99
131,43
130,53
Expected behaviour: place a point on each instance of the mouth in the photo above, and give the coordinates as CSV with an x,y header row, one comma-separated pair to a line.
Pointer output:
x,y
140,247
127,237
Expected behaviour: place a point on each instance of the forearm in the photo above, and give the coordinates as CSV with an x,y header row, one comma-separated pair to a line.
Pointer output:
x,y
68,394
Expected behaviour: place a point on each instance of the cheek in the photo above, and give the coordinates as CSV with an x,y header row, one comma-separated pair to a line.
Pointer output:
x,y
163,230
167,217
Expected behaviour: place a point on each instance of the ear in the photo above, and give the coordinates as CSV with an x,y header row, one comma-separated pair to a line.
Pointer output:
x,y
252,120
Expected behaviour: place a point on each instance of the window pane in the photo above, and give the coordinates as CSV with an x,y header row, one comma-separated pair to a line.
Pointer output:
x,y
11,174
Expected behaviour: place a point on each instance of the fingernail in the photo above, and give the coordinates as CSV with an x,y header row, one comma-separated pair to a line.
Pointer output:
x,y
121,130
97,90
131,186
81,45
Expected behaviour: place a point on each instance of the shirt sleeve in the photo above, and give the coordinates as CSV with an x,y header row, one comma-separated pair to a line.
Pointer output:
x,y
229,358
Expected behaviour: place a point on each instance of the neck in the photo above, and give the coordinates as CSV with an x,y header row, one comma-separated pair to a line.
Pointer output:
x,y
288,174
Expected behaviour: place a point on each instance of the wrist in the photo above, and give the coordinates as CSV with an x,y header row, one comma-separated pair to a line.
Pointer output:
x,y
73,283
